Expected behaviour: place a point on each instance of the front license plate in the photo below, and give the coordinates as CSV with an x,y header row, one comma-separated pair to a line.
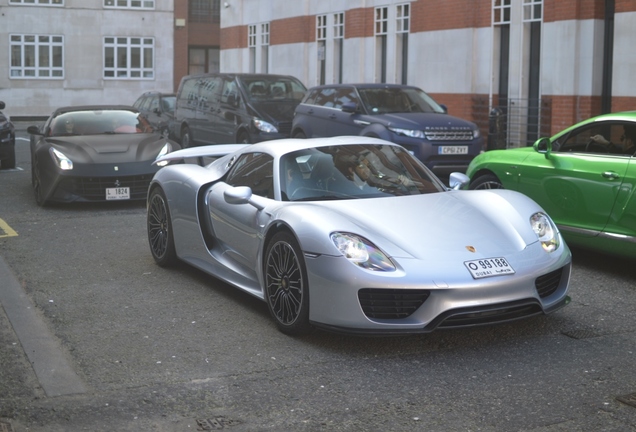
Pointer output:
x,y
120,193
452,150
488,267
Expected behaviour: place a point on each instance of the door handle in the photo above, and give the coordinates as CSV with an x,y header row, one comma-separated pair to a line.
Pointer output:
x,y
332,116
610,175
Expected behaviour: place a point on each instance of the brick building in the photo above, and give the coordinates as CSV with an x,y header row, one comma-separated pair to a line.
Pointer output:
x,y
545,64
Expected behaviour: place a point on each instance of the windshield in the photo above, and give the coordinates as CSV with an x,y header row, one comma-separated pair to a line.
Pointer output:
x,y
99,122
268,88
353,171
384,100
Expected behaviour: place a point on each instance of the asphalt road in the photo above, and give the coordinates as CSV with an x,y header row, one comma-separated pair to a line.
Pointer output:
x,y
95,336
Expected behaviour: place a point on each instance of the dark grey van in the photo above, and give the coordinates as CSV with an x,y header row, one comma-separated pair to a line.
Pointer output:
x,y
228,108
402,114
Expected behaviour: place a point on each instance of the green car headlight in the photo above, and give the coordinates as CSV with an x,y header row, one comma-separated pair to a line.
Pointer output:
x,y
546,231
362,252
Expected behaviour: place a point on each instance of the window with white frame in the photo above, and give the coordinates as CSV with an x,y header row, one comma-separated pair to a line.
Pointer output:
x,y
338,46
129,58
264,34
251,36
402,27
532,10
130,4
381,21
501,12
381,31
403,18
38,2
321,46
36,56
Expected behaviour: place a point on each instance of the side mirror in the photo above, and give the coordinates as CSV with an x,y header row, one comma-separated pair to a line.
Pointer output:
x,y
240,195
232,100
2,105
349,107
458,180
34,130
543,146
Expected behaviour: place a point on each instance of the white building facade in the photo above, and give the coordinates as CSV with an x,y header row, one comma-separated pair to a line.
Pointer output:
x,y
83,52
545,64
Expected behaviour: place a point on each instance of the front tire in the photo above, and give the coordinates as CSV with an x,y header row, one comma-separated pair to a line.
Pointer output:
x,y
9,161
160,235
286,286
486,181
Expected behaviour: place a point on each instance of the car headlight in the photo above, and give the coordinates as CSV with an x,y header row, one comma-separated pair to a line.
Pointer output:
x,y
546,231
61,160
264,126
361,252
407,132
164,151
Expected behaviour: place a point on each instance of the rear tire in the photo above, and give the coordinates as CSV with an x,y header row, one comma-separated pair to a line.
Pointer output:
x,y
186,138
486,181
160,235
286,287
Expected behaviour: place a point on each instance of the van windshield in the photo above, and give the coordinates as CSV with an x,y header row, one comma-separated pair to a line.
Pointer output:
x,y
398,100
265,88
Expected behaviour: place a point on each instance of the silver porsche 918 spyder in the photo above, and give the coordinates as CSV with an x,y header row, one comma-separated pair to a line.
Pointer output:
x,y
354,234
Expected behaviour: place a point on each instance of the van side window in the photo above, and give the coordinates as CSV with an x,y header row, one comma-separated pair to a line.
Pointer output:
x,y
190,92
229,95
209,92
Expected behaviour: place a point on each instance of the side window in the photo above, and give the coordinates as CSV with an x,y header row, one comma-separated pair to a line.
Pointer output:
x,y
154,103
229,94
255,170
311,98
345,95
190,93
598,138
326,97
210,92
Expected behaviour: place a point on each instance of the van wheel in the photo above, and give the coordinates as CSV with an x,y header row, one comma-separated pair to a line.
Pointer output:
x,y
186,137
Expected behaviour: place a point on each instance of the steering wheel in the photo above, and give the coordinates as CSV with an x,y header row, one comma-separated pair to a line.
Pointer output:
x,y
593,144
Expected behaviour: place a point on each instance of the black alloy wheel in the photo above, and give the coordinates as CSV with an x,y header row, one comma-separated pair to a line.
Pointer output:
x,y
160,236
486,181
286,288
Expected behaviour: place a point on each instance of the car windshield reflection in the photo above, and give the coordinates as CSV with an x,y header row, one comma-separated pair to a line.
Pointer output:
x,y
351,172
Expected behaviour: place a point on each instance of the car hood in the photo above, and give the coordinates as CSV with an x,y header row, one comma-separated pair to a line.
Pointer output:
x,y
276,111
110,148
451,223
422,121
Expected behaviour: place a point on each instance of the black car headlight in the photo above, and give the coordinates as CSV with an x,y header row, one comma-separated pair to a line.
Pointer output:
x,y
61,160
167,148
362,252
264,126
546,231
407,132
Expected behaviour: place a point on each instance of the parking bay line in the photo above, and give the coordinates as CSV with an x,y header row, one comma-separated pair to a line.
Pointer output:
x,y
49,362
5,230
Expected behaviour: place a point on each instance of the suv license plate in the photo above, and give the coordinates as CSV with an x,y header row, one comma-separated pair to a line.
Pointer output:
x,y
488,267
452,150
120,193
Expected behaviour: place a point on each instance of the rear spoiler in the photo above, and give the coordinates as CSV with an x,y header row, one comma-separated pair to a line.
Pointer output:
x,y
214,151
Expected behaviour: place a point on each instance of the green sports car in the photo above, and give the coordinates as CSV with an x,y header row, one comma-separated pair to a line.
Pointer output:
x,y
584,177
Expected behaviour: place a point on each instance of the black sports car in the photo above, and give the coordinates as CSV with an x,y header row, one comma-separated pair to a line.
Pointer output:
x,y
95,153
7,141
